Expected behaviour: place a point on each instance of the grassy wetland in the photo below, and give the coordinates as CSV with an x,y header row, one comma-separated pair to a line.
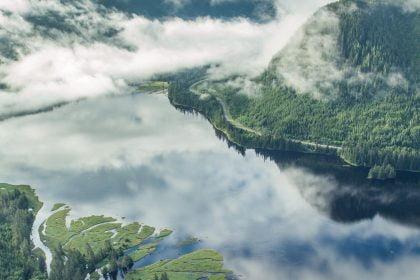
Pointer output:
x,y
112,248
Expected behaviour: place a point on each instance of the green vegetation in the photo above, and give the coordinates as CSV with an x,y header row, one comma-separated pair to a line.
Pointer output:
x,y
154,86
90,243
29,193
57,206
383,172
95,276
368,119
203,264
183,98
143,251
87,246
18,258
164,233
189,241
98,243
93,230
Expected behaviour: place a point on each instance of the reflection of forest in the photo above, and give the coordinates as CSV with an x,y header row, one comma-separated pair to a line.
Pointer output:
x,y
351,197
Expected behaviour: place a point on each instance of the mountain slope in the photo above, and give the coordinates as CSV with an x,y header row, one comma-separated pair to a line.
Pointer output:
x,y
349,78
353,49
381,38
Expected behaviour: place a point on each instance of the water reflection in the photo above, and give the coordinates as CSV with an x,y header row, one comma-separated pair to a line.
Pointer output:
x,y
278,217
354,197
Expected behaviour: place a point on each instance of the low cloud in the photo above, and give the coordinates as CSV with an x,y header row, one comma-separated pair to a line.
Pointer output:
x,y
308,63
61,52
14,5
55,52
115,156
245,86
312,62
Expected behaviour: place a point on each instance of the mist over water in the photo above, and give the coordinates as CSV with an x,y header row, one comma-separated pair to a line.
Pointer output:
x,y
276,217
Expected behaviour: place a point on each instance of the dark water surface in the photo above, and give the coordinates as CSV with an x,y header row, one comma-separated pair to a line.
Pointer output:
x,y
272,215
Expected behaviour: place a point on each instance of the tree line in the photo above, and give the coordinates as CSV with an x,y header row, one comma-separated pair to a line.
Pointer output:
x,y
18,260
372,132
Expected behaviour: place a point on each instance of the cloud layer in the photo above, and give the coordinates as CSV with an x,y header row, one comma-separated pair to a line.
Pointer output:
x,y
313,61
59,52
117,155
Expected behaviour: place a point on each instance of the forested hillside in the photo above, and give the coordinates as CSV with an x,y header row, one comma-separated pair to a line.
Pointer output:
x,y
18,260
349,79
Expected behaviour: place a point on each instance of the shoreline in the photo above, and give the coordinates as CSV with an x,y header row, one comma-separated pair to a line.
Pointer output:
x,y
231,139
304,147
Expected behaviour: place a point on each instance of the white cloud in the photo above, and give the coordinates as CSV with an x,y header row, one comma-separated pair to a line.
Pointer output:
x,y
54,65
14,5
66,153
311,62
308,63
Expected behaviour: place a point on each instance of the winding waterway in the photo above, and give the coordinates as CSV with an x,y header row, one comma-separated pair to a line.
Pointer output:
x,y
272,215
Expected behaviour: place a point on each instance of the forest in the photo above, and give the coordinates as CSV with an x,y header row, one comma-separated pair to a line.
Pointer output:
x,y
18,260
368,123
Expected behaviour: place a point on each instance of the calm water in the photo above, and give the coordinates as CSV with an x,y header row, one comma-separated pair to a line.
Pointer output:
x,y
272,215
